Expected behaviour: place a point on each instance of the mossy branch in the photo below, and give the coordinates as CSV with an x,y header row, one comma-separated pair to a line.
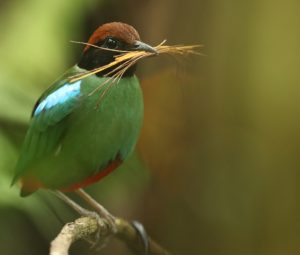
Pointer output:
x,y
87,227
102,225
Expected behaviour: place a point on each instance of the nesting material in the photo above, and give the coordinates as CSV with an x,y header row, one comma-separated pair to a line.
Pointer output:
x,y
128,58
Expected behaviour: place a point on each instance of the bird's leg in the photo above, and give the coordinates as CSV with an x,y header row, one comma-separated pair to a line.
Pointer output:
x,y
83,212
98,208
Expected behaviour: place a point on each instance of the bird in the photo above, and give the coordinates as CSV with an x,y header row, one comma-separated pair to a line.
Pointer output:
x,y
73,140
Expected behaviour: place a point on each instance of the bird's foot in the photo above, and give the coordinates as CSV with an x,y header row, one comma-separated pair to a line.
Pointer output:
x,y
103,232
107,222
143,235
99,209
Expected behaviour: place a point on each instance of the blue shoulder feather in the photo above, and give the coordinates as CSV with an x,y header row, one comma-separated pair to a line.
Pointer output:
x,y
50,110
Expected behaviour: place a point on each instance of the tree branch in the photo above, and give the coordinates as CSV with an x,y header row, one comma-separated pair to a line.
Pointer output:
x,y
71,232
85,227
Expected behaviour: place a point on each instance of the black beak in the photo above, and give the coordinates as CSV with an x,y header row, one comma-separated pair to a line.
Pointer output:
x,y
140,46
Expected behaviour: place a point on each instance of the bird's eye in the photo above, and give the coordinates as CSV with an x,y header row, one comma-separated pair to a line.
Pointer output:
x,y
111,43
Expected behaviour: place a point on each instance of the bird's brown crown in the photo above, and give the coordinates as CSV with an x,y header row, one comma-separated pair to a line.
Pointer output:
x,y
119,30
109,41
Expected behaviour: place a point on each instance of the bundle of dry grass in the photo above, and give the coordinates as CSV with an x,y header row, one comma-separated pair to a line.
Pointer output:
x,y
127,59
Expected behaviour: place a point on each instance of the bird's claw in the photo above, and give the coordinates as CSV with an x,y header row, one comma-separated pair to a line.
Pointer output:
x,y
106,226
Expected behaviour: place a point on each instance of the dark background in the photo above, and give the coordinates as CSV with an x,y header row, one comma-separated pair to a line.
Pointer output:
x,y
217,165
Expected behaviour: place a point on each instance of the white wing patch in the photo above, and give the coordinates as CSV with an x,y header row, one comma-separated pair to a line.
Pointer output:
x,y
59,96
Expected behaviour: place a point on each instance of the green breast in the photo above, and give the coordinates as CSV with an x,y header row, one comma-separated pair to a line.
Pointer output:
x,y
104,127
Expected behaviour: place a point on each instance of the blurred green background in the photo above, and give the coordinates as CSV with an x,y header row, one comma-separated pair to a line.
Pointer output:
x,y
217,166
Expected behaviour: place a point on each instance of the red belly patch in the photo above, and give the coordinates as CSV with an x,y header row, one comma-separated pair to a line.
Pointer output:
x,y
94,178
29,184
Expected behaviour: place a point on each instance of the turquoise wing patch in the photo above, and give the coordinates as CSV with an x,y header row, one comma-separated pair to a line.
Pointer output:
x,y
47,125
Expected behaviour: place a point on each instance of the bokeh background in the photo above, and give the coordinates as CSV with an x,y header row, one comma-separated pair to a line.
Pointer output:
x,y
217,166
